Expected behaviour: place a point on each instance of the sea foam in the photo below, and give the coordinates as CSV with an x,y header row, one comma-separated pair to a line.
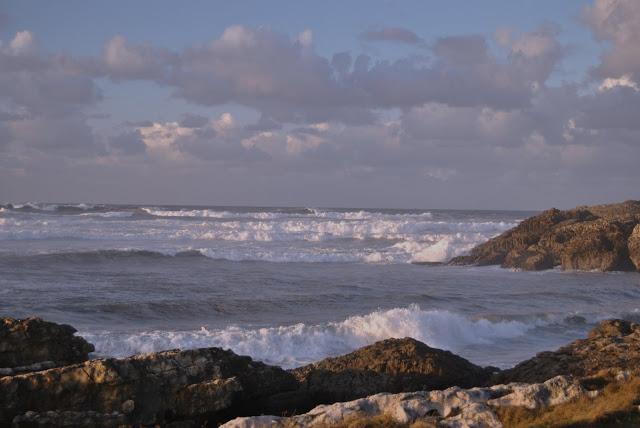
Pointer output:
x,y
298,344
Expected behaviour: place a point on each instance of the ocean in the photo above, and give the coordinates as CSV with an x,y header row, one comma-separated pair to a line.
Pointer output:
x,y
290,286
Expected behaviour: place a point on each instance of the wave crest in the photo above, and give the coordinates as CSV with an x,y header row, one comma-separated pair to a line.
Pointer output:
x,y
298,344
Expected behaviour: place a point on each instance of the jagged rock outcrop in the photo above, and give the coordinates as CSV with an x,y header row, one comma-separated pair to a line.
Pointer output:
x,y
453,407
596,237
33,344
194,385
393,365
634,247
613,345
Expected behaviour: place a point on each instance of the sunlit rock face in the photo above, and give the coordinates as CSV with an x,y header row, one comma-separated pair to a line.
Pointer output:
x,y
147,388
599,237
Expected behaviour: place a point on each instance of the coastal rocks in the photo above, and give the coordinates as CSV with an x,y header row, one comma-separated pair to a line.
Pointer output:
x,y
33,344
452,407
149,389
612,346
393,365
70,419
634,247
600,237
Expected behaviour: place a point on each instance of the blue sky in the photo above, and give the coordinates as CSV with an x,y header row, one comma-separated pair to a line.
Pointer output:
x,y
513,86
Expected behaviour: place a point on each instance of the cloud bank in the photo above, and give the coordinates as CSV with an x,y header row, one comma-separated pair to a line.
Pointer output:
x,y
478,121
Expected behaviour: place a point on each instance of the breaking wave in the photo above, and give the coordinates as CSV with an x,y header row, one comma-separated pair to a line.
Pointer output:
x,y
298,344
266,234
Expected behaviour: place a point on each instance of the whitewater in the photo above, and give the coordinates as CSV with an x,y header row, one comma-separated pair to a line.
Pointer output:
x,y
290,286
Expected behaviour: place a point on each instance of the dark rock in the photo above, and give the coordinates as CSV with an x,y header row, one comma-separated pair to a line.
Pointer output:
x,y
34,344
70,419
159,388
614,345
393,365
585,238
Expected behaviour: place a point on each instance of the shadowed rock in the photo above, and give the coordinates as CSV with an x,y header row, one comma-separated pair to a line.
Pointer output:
x,y
33,344
193,385
599,237
612,345
393,365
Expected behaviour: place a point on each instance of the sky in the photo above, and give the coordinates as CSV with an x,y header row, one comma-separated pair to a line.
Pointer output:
x,y
390,103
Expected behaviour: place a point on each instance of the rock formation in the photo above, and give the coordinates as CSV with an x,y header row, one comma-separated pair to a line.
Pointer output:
x,y
634,247
453,407
600,237
144,389
392,365
33,344
212,385
614,345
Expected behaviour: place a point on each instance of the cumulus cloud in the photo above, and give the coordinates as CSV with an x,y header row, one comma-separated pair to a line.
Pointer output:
x,y
45,97
618,23
285,79
218,139
22,43
126,61
460,116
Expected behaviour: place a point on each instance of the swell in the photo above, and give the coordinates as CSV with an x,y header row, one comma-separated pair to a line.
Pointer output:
x,y
99,256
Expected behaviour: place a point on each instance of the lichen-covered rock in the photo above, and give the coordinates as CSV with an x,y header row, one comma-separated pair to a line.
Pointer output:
x,y
393,365
585,238
148,388
453,407
614,345
32,343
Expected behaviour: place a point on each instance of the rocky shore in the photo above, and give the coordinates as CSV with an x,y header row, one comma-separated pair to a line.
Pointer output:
x,y
47,379
598,237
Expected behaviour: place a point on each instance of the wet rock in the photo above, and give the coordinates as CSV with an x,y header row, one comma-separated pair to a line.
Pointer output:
x,y
452,407
585,238
34,344
163,387
393,365
612,346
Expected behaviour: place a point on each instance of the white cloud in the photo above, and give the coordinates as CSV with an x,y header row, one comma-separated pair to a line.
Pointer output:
x,y
22,43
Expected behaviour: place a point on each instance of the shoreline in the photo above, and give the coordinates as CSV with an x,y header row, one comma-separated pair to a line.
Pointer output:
x,y
215,385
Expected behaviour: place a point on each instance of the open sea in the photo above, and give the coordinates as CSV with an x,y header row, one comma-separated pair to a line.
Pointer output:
x,y
290,286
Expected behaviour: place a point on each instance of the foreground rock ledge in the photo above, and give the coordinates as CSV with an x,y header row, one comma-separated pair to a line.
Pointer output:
x,y
212,385
163,387
453,407
599,237
33,344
